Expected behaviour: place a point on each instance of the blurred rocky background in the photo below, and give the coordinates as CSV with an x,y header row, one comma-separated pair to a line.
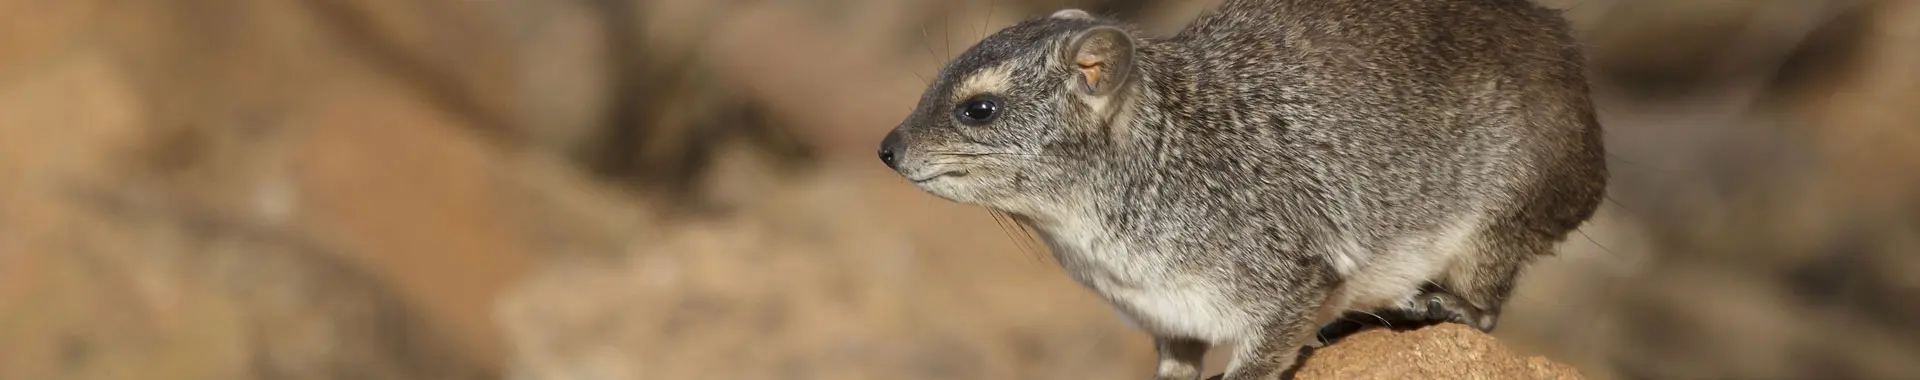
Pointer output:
x,y
685,189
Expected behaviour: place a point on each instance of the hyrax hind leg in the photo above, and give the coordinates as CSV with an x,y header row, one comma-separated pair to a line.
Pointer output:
x,y
1469,290
1476,286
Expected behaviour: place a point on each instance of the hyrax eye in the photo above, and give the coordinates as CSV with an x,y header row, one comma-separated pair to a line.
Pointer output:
x,y
978,110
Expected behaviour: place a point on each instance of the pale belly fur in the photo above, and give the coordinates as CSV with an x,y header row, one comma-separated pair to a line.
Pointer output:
x,y
1147,295
1176,305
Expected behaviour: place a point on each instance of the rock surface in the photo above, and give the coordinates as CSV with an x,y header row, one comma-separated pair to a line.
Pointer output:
x,y
1446,351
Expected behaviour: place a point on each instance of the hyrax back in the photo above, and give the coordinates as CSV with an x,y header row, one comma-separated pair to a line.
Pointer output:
x,y
1277,163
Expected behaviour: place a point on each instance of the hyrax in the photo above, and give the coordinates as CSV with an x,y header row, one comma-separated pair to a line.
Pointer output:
x,y
1276,163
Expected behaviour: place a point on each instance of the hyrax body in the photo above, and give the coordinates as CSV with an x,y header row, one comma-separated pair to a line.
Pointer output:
x,y
1275,164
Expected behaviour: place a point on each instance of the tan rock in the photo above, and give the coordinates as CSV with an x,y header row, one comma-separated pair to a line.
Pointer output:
x,y
1447,351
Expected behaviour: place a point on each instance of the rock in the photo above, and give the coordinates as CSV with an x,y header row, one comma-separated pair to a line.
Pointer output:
x,y
1446,351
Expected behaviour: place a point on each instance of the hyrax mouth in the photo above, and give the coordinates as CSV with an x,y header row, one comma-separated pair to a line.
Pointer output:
x,y
955,173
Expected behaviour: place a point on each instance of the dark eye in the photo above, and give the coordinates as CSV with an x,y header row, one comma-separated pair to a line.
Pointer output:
x,y
978,111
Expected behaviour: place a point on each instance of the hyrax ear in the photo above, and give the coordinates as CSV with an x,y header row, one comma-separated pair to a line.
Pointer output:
x,y
1072,14
1103,57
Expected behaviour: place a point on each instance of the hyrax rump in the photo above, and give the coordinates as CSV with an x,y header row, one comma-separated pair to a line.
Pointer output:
x,y
1276,163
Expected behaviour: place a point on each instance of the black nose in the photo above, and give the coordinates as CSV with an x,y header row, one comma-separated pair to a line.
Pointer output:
x,y
890,149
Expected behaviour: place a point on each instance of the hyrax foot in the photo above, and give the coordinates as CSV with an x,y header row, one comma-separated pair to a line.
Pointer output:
x,y
1187,375
1427,309
1439,307
1180,358
1180,371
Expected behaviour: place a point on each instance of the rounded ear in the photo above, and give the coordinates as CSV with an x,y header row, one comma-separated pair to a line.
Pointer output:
x,y
1072,14
1103,57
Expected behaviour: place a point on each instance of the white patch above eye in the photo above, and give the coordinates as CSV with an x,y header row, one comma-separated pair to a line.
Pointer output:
x,y
991,80
1072,14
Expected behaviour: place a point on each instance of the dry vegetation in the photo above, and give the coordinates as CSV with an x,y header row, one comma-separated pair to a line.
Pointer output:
x,y
615,189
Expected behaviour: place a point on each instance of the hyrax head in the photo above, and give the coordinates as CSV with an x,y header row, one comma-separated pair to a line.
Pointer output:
x,y
1022,116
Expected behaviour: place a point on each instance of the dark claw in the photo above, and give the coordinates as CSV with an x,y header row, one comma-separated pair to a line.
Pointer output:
x,y
1445,307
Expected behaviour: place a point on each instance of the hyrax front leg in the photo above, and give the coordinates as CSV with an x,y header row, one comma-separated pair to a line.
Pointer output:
x,y
1275,347
1180,358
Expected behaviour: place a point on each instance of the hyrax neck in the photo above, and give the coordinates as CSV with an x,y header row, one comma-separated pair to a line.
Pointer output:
x,y
1089,248
1155,116
1159,109
1147,282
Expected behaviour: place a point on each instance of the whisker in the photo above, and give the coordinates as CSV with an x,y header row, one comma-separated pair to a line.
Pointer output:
x,y
1596,243
946,33
986,24
1624,159
1024,238
1028,234
1006,227
929,45
1383,320
1623,207
923,78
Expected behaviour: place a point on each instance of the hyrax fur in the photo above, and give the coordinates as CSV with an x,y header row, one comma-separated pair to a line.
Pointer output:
x,y
1275,164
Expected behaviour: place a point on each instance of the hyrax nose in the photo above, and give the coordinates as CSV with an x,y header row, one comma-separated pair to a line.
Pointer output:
x,y
890,149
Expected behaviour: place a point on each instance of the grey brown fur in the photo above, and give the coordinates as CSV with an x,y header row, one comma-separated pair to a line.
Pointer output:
x,y
1276,164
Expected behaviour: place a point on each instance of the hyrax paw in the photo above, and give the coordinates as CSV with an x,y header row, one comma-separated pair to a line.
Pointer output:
x,y
1179,373
1438,307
